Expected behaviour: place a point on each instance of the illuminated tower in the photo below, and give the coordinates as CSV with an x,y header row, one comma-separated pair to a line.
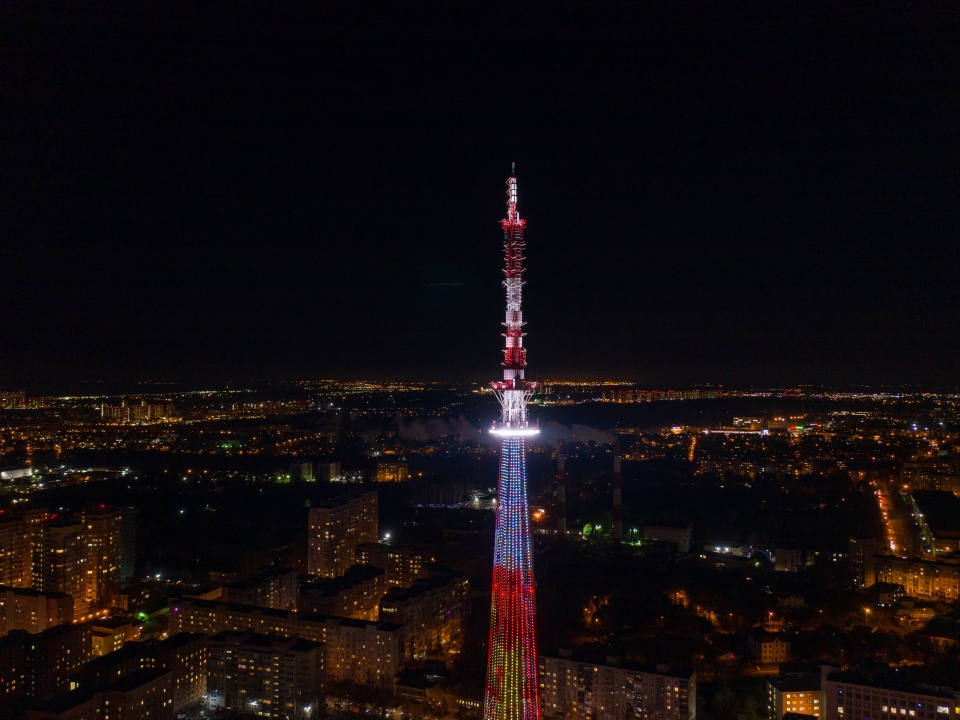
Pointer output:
x,y
512,686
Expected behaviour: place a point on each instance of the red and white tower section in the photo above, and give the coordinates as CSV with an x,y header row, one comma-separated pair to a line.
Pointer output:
x,y
512,691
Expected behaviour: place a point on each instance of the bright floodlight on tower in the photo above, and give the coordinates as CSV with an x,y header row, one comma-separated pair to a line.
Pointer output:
x,y
512,691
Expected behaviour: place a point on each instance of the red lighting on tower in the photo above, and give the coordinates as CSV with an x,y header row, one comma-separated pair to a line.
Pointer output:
x,y
512,691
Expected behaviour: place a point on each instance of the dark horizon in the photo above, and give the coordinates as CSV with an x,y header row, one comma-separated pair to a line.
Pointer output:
x,y
746,195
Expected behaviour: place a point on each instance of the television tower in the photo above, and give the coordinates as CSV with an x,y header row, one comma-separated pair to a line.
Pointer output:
x,y
513,691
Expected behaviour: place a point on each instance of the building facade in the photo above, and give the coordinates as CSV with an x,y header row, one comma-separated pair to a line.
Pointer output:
x,y
140,695
336,528
433,611
364,653
59,561
681,536
301,471
849,695
145,694
328,472
356,651
32,610
932,579
266,675
40,665
795,693
272,587
393,471
186,655
128,544
403,565
767,647
355,594
103,546
863,554
16,551
579,690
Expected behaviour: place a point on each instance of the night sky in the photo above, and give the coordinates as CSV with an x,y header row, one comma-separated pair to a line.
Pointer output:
x,y
747,193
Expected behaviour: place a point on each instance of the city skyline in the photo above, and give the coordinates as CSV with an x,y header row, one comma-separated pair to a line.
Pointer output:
x,y
254,463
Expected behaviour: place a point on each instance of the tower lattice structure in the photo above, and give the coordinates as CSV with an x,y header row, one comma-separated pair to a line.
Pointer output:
x,y
512,691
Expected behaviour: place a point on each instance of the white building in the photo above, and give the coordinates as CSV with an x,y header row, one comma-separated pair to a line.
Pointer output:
x,y
575,689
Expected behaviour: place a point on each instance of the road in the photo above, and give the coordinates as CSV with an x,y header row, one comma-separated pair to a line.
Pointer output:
x,y
903,538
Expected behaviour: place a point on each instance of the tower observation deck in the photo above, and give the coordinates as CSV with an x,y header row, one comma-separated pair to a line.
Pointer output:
x,y
512,690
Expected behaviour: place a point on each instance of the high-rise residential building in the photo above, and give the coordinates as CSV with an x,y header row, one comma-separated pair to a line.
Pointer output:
x,y
393,471
357,651
355,594
33,610
928,579
103,542
13,399
266,675
795,693
863,558
106,669
328,472
187,656
137,412
128,544
853,694
364,653
336,528
13,679
146,693
43,663
301,471
272,587
433,611
403,565
577,690
16,550
59,560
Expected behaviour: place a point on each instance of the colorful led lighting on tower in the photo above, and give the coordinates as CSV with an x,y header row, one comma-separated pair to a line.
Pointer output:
x,y
512,691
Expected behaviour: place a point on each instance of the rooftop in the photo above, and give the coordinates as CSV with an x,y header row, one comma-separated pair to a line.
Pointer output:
x,y
796,682
283,614
179,640
129,651
260,577
331,587
631,665
252,639
893,680
30,592
137,678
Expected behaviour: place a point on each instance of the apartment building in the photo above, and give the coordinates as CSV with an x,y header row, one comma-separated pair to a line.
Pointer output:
x,y
612,690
